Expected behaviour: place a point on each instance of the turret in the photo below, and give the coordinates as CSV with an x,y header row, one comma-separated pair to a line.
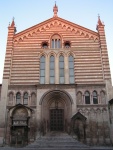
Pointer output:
x,y
103,48
9,49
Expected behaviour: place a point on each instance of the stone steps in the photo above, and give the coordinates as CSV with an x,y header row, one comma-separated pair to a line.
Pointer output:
x,y
57,141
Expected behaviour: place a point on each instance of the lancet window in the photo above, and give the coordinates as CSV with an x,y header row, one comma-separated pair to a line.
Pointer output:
x,y
52,70
25,99
87,97
42,70
18,98
61,69
95,97
71,69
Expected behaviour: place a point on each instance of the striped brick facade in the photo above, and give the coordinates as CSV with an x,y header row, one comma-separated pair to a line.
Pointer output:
x,y
22,76
25,48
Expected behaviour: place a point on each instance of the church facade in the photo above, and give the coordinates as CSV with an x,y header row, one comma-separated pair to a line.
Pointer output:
x,y
56,78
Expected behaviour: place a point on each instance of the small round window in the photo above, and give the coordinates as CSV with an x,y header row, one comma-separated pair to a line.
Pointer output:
x,y
44,45
67,44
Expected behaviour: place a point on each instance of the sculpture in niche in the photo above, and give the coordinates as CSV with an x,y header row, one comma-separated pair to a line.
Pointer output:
x,y
102,97
79,98
10,100
33,99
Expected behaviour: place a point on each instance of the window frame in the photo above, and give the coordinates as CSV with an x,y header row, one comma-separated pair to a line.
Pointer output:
x,y
61,70
95,97
18,99
52,69
87,98
71,69
42,69
56,41
25,99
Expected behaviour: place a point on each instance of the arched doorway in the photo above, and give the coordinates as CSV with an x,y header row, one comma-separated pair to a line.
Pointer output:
x,y
56,110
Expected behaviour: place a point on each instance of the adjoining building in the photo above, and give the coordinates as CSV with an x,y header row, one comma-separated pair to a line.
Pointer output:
x,y
56,78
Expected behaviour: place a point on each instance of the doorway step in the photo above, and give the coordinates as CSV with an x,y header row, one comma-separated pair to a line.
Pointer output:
x,y
57,141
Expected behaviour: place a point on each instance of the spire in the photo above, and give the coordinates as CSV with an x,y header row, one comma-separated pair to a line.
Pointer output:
x,y
55,10
99,23
13,23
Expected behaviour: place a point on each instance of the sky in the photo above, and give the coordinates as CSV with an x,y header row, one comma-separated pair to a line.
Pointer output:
x,y
31,12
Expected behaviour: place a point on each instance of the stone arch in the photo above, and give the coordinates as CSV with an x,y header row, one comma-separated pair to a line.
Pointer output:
x,y
58,101
53,91
70,54
42,54
61,53
52,54
20,110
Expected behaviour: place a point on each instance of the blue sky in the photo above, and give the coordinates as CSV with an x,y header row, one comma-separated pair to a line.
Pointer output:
x,y
30,12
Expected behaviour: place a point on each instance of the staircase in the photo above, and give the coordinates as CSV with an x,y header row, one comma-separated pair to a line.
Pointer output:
x,y
57,141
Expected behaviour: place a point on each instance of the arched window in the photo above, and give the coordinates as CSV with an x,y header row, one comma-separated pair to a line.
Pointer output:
x,y
95,97
56,41
61,69
52,70
18,98
71,69
87,97
25,99
42,70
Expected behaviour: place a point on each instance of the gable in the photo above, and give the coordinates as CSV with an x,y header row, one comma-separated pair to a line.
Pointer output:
x,y
56,25
78,115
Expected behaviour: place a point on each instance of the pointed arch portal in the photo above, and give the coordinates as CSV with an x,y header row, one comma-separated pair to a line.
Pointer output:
x,y
56,109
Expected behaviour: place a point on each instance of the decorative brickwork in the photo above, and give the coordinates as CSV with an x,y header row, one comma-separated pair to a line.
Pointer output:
x,y
53,72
